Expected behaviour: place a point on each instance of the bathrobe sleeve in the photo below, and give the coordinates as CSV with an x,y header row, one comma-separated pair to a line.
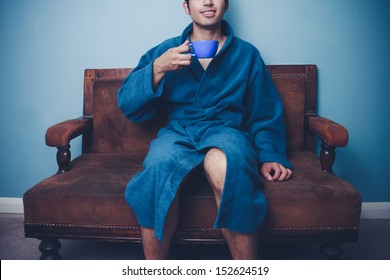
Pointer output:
x,y
265,120
137,98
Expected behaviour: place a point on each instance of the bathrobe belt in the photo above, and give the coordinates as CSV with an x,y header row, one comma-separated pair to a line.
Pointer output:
x,y
191,115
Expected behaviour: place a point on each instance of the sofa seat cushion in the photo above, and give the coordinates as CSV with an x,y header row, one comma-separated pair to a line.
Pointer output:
x,y
90,199
312,202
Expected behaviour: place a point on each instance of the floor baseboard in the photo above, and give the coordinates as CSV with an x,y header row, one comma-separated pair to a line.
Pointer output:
x,y
375,210
370,210
10,205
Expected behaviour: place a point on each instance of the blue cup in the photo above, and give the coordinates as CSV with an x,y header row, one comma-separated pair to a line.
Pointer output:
x,y
204,49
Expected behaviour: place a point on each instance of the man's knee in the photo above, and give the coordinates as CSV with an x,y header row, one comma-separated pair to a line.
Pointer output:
x,y
215,168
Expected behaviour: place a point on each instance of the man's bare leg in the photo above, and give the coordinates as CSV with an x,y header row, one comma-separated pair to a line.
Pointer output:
x,y
242,246
155,249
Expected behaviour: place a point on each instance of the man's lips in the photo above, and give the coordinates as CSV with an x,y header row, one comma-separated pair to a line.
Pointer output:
x,y
208,13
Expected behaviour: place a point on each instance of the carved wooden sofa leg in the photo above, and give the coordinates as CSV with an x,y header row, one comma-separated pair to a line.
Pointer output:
x,y
49,248
331,250
327,157
63,159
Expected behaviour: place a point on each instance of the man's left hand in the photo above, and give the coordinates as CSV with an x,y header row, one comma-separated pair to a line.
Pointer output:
x,y
273,171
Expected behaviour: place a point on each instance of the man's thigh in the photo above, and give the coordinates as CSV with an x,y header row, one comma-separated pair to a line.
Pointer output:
x,y
232,142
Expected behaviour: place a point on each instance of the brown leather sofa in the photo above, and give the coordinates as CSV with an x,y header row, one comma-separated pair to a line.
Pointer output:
x,y
85,199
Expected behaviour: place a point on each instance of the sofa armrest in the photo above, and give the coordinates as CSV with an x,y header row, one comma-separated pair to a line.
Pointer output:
x,y
331,133
61,134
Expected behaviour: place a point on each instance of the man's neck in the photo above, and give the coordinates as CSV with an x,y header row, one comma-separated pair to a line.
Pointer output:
x,y
199,33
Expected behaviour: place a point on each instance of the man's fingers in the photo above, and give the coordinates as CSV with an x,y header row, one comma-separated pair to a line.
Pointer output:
x,y
267,175
181,57
277,172
283,174
273,171
182,60
266,172
289,173
183,48
184,57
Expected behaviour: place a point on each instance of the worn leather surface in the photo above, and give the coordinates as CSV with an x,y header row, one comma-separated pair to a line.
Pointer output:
x,y
332,133
311,200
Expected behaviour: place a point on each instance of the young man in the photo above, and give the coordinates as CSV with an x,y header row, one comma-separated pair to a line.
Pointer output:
x,y
224,113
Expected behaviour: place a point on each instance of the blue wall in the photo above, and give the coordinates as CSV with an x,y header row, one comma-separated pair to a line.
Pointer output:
x,y
47,44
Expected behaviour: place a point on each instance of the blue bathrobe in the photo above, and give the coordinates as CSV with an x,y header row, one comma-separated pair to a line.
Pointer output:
x,y
232,105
